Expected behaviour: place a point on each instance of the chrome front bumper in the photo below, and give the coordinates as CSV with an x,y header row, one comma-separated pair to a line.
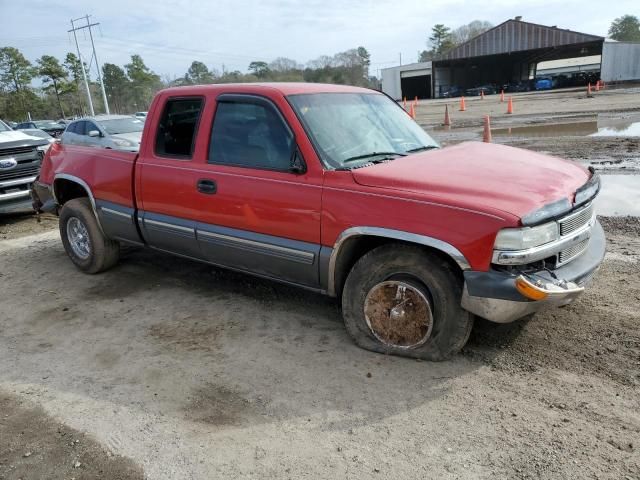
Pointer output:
x,y
493,295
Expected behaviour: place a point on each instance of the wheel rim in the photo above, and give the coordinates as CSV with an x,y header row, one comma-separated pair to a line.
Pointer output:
x,y
78,237
398,314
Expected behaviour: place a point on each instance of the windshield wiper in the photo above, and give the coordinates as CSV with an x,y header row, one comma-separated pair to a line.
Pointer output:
x,y
423,147
373,154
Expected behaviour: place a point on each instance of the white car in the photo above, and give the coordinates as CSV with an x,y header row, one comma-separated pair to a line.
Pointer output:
x,y
120,132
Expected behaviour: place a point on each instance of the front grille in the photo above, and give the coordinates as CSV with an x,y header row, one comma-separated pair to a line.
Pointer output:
x,y
8,152
23,172
575,221
572,252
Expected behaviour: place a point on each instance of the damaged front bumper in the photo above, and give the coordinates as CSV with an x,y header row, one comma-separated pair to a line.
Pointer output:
x,y
42,198
502,296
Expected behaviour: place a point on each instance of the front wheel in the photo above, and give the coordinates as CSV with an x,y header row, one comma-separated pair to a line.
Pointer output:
x,y
403,300
88,248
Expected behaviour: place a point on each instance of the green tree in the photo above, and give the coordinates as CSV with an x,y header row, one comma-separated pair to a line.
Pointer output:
x,y
625,29
73,89
440,39
16,73
425,56
198,74
116,85
144,82
365,60
52,73
259,69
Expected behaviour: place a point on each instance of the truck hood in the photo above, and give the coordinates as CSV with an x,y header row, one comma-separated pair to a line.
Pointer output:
x,y
480,176
16,137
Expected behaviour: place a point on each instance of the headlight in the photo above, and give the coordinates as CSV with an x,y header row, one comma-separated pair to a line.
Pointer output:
x,y
527,237
44,148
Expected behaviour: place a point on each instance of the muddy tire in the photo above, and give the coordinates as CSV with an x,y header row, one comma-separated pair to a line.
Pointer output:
x,y
83,239
403,300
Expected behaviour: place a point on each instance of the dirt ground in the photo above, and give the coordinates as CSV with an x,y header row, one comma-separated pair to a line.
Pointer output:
x,y
560,112
167,369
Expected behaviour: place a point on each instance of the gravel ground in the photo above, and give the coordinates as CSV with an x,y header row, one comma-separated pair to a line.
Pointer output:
x,y
166,369
195,372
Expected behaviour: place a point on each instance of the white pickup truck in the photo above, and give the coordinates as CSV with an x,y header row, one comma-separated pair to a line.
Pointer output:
x,y
20,157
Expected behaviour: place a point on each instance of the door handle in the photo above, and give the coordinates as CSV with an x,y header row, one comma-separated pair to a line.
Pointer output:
x,y
207,186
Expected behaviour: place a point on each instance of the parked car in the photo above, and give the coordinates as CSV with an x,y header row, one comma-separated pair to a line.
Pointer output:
x,y
140,114
37,133
120,132
475,92
516,87
20,157
52,127
335,189
543,83
452,92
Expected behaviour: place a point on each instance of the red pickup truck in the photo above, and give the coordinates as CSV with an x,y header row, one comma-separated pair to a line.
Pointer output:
x,y
336,189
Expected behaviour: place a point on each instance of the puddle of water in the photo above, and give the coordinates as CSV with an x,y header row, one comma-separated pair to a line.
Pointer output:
x,y
580,129
628,130
619,195
603,127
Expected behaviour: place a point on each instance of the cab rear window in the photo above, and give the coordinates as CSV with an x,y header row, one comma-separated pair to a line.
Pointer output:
x,y
178,127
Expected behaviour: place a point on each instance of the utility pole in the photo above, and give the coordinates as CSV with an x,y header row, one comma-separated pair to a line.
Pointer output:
x,y
84,74
104,93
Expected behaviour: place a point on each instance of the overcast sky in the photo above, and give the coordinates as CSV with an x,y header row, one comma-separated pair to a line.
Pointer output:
x,y
170,34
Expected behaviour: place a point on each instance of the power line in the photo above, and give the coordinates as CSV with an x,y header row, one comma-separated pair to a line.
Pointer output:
x,y
84,73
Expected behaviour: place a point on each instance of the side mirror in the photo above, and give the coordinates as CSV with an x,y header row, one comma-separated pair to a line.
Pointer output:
x,y
94,133
297,163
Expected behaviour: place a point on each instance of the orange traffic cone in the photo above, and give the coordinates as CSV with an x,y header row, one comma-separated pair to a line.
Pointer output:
x,y
486,136
416,100
481,94
404,103
589,89
501,96
598,86
510,106
463,107
412,111
447,120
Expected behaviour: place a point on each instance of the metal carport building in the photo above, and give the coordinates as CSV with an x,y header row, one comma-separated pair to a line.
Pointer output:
x,y
508,53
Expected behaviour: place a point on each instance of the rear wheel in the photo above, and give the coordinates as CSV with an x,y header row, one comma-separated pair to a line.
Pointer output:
x,y
403,300
88,248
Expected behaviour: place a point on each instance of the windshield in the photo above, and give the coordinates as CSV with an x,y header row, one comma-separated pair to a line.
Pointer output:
x,y
122,125
4,127
349,129
47,124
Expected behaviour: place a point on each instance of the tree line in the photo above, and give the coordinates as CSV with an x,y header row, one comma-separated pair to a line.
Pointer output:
x,y
130,88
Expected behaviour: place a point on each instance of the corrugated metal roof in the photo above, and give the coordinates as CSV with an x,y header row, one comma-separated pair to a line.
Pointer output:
x,y
516,36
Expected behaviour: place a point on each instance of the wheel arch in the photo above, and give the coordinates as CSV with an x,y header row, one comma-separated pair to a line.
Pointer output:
x,y
67,187
354,242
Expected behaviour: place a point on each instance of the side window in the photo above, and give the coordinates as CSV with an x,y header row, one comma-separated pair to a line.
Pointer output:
x,y
250,135
72,127
177,128
88,126
81,128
